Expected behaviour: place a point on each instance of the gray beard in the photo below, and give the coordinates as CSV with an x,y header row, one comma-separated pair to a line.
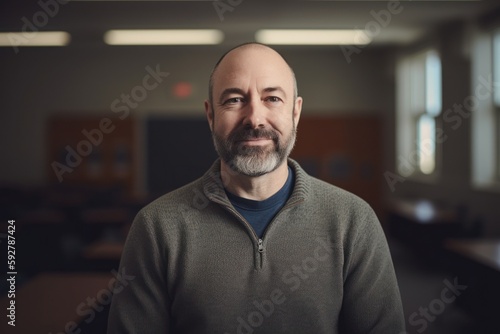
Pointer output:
x,y
254,160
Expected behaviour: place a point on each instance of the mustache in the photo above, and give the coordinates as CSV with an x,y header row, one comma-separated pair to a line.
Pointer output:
x,y
247,133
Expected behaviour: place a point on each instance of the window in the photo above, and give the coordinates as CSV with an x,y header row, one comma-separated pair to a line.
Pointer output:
x,y
419,103
485,91
496,94
426,143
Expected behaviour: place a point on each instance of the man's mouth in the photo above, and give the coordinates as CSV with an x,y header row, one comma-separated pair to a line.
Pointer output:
x,y
256,141
255,138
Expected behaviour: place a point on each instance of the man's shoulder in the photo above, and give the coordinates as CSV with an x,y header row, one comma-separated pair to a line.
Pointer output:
x,y
325,198
324,191
348,210
189,195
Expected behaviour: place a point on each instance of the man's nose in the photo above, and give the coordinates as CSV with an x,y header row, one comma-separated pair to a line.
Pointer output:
x,y
254,114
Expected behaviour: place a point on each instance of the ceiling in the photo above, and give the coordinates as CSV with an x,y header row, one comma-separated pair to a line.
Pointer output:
x,y
239,19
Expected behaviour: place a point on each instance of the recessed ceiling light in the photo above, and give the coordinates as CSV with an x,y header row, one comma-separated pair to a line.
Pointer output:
x,y
40,38
164,37
312,36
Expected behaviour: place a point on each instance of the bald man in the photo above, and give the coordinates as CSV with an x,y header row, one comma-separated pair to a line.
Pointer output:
x,y
256,245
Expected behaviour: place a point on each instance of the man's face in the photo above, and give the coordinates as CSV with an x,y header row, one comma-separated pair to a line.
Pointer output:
x,y
254,114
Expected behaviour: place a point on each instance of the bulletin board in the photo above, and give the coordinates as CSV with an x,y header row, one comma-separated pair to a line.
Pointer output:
x,y
346,151
97,150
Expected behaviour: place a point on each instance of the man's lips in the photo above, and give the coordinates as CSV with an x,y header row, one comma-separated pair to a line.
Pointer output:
x,y
254,140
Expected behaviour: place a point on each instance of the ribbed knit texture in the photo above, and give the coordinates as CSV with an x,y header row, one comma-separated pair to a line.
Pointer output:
x,y
324,266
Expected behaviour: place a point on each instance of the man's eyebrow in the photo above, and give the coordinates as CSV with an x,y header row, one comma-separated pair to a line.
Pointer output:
x,y
227,91
235,90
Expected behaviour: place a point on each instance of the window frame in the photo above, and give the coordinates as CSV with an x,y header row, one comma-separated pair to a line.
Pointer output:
x,y
408,117
495,66
485,137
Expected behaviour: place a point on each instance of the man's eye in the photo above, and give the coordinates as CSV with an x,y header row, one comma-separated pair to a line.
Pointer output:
x,y
234,100
273,99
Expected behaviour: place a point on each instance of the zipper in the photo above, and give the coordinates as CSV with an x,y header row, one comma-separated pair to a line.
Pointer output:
x,y
260,241
261,247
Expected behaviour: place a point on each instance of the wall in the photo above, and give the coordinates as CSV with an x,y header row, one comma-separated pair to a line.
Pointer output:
x,y
38,82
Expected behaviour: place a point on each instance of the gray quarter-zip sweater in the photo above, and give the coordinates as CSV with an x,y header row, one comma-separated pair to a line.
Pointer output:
x,y
196,266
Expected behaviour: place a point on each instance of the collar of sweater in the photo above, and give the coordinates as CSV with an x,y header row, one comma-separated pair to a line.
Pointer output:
x,y
214,189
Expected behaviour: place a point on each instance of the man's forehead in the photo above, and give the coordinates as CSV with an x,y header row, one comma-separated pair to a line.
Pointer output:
x,y
245,77
253,63
243,84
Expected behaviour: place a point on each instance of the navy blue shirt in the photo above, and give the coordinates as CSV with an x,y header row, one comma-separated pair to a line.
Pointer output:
x,y
260,213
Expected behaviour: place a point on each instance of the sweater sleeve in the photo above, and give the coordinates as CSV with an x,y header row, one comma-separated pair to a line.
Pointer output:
x,y
371,302
142,305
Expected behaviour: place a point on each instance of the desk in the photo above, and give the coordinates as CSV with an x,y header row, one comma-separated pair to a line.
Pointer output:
x,y
49,301
97,221
423,225
476,263
41,232
111,216
422,212
103,251
483,251
42,217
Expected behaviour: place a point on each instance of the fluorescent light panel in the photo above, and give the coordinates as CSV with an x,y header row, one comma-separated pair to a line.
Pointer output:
x,y
40,38
164,37
312,37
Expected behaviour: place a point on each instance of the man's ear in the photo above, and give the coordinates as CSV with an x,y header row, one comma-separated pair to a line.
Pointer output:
x,y
297,110
209,113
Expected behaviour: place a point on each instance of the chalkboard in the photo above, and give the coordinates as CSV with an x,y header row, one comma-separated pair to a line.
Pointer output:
x,y
178,151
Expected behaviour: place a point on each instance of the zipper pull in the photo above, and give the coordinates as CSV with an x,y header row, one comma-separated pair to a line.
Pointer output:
x,y
261,247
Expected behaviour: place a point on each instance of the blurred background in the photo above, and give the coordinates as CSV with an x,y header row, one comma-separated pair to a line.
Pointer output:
x,y
401,107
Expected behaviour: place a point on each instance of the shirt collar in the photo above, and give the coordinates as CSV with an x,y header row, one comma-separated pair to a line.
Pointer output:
x,y
214,189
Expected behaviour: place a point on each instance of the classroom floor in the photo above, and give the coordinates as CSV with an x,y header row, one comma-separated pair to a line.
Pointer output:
x,y
421,284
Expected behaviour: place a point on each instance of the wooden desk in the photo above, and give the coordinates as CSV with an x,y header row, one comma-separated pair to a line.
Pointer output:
x,y
111,216
422,224
42,217
49,302
422,212
476,264
484,251
103,251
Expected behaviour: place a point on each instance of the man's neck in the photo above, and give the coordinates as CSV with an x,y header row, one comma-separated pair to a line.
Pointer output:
x,y
257,188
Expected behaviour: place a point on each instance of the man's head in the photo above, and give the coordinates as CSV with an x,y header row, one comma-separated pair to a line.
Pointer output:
x,y
253,109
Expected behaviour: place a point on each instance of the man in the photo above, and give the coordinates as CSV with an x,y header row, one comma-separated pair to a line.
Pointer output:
x,y
256,244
